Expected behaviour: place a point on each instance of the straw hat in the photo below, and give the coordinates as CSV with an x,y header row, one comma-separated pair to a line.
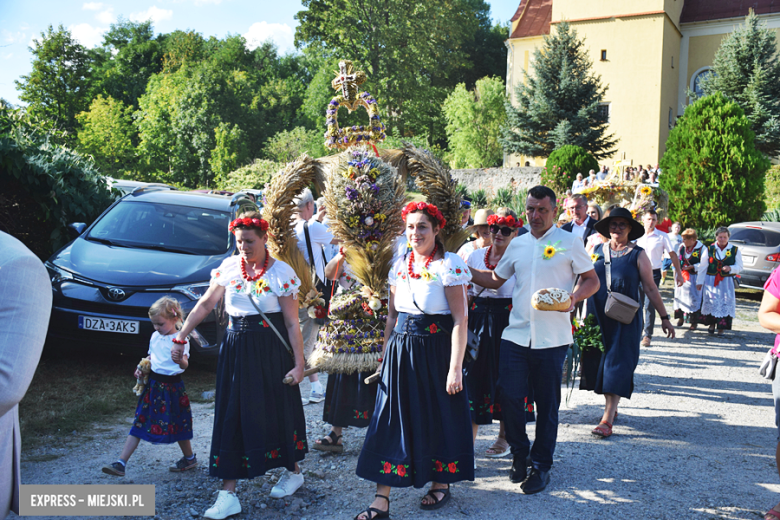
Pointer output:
x,y
480,217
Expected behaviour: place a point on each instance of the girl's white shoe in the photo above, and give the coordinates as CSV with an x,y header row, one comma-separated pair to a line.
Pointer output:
x,y
227,504
287,485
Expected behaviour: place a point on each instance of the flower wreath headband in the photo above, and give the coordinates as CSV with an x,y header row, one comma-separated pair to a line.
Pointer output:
x,y
430,209
508,221
248,223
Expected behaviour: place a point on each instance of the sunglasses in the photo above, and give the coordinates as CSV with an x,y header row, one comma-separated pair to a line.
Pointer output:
x,y
506,231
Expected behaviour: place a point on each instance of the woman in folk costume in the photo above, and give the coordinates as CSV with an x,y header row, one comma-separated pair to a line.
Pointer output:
x,y
420,431
258,420
687,297
488,317
348,401
720,262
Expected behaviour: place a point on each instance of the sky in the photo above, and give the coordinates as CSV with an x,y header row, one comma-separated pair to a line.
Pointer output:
x,y
257,20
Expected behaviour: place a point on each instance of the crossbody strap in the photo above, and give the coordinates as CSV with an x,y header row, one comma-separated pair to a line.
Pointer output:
x,y
273,327
313,264
409,283
607,265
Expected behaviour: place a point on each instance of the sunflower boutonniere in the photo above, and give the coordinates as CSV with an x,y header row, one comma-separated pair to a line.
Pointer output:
x,y
728,253
551,249
594,257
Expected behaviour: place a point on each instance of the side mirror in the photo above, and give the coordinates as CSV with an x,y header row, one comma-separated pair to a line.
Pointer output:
x,y
76,229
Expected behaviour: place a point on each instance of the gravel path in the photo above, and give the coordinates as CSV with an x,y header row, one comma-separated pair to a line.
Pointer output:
x,y
697,440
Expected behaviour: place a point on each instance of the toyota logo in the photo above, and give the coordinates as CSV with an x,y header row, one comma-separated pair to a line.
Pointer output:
x,y
116,294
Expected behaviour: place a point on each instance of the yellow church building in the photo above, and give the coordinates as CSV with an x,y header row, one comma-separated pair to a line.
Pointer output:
x,y
648,52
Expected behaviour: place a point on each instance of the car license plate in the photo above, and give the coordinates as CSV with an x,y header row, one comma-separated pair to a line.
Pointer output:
x,y
749,260
108,325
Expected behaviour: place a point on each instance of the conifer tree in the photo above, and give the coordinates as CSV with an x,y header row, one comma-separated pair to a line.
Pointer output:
x,y
746,70
558,104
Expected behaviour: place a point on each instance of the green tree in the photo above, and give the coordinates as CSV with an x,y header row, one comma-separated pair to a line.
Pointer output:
x,y
474,121
287,145
747,71
229,152
130,54
558,104
412,52
56,89
564,164
252,176
711,169
106,134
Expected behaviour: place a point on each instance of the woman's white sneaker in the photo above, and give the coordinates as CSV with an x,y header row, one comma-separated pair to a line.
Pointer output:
x,y
227,504
287,485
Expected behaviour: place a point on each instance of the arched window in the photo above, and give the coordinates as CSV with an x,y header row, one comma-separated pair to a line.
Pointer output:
x,y
697,77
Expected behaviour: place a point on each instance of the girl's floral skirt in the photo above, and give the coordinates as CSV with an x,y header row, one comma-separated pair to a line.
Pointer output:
x,y
349,401
488,317
258,420
418,433
163,414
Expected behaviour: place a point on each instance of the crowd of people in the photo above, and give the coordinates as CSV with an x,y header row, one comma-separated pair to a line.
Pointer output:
x,y
644,174
422,416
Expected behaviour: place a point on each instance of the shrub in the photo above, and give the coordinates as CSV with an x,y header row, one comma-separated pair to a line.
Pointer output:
x,y
503,197
564,164
772,187
44,186
251,177
288,145
479,198
712,171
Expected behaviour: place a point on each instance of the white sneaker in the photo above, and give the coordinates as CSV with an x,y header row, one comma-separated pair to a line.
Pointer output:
x,y
287,485
316,397
227,504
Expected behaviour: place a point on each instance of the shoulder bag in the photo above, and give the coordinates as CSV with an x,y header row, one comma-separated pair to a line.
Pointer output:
x,y
472,340
618,307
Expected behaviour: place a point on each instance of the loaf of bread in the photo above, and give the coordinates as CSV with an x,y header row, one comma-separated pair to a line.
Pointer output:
x,y
551,300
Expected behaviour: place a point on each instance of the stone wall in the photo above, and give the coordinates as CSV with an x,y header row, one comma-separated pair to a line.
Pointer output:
x,y
491,179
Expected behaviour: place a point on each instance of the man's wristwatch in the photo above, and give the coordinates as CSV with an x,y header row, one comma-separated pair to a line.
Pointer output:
x,y
664,317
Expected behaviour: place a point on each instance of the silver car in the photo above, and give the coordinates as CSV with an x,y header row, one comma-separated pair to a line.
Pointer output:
x,y
760,246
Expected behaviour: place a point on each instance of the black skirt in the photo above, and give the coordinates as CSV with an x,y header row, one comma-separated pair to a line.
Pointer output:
x,y
488,317
419,433
258,420
349,401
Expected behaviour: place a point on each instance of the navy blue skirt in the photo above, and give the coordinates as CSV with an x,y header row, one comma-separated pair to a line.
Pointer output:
x,y
258,420
163,414
418,433
488,317
348,400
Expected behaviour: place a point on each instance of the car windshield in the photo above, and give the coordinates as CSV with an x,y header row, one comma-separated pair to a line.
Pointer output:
x,y
755,237
166,227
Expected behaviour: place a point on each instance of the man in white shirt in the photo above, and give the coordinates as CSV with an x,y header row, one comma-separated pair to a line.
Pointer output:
x,y
581,224
655,243
578,185
534,344
600,176
320,237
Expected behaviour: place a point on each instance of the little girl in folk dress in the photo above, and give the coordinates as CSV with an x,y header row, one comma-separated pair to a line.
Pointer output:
x,y
163,415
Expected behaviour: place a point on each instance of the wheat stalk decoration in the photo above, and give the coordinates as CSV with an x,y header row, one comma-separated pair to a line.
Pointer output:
x,y
434,180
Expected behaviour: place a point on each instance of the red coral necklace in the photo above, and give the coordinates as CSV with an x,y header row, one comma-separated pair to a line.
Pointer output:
x,y
258,275
487,256
427,262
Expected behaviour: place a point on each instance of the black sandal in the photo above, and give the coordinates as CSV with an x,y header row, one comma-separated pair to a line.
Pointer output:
x,y
329,445
379,513
438,502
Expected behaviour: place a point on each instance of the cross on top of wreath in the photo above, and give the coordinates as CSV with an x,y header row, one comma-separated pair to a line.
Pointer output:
x,y
347,81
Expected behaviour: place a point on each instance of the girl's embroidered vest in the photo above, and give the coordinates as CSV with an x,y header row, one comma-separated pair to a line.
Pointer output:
x,y
716,264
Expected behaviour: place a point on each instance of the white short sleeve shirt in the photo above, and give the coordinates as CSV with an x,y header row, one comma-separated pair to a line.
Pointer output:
x,y
428,290
655,244
321,237
280,280
525,259
160,354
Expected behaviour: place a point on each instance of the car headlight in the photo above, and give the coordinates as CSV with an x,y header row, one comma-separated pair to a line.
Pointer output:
x,y
57,274
194,291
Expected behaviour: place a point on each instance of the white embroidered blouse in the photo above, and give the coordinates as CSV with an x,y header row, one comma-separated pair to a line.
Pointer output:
x,y
429,288
280,280
476,260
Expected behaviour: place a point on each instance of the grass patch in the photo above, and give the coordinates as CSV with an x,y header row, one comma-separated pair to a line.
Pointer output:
x,y
73,392
415,196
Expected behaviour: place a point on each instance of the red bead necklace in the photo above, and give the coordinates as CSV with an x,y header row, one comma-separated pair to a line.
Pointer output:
x,y
258,275
427,262
487,256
